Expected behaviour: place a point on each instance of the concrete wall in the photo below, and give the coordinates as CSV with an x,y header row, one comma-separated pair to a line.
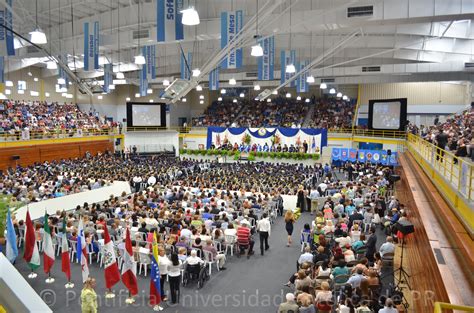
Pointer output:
x,y
153,141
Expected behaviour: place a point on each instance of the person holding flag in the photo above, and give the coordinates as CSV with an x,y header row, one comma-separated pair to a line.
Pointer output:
x,y
313,146
112,273
82,254
129,269
31,254
65,263
48,250
11,249
155,285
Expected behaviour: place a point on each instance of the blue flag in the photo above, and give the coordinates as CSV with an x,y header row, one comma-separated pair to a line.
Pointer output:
x,y
12,249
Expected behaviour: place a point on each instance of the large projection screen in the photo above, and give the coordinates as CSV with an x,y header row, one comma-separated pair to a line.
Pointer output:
x,y
388,114
146,114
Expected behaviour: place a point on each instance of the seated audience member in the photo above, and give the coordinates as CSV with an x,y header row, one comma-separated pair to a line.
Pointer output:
x,y
244,239
307,256
356,279
389,307
324,299
303,281
387,247
219,257
289,306
306,303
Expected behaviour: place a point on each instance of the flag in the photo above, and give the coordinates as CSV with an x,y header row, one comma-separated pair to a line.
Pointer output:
x,y
65,263
129,268
155,288
112,274
313,145
12,249
31,254
48,255
82,254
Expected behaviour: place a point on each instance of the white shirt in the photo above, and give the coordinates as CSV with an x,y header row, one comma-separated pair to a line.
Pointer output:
x,y
174,270
193,260
163,263
264,225
230,232
388,310
306,257
186,233
387,247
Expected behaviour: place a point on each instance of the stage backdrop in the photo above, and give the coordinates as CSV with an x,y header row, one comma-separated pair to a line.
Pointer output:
x,y
372,156
316,138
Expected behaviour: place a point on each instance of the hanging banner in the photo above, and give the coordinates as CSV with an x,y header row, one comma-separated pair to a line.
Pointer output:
x,y
287,57
2,69
266,63
336,154
214,79
62,73
301,84
231,24
6,36
372,156
344,154
352,155
150,56
186,65
91,46
108,77
143,80
168,20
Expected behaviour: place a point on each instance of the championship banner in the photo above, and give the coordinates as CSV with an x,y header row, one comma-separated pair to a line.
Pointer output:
x,y
91,46
6,36
352,155
2,70
214,79
150,56
168,20
287,57
186,64
108,77
301,84
231,24
266,63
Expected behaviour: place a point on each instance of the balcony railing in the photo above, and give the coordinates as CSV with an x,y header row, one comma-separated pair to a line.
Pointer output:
x,y
55,134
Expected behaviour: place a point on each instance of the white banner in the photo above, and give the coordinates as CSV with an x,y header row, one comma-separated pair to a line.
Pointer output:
x,y
231,24
168,20
91,46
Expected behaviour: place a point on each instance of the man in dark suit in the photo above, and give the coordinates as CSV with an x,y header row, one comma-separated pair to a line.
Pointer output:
x,y
441,142
371,245
356,216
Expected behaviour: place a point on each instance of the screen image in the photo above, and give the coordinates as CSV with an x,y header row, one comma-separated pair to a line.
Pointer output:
x,y
386,115
146,115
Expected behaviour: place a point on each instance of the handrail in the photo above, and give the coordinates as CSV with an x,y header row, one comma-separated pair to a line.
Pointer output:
x,y
440,306
56,134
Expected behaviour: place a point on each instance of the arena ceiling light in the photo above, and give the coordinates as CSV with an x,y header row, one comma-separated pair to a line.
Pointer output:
x,y
127,99
35,79
61,81
288,95
298,98
38,37
196,72
323,86
151,100
232,81
198,88
339,95
8,92
8,83
269,100
235,100
201,102
201,97
112,87
119,75
166,82
223,91
149,91
137,95
100,97
307,100
344,97
46,94
256,87
332,91
310,79
183,100
21,92
257,50
290,68
51,65
190,17
274,92
242,95
219,99
140,59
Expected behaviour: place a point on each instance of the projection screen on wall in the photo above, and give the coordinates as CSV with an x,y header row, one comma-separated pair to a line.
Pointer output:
x,y
146,114
390,114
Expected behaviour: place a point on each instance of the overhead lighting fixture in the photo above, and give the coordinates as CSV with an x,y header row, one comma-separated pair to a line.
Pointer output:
x,y
149,91
51,65
30,74
151,101
35,79
63,89
8,83
274,92
119,75
100,97
298,98
256,87
201,101
201,97
256,98
111,87
127,99
196,72
137,95
290,68
344,97
242,95
339,95
8,92
232,81
140,59
310,79
46,94
198,88
34,93
166,82
69,96
288,95
183,100
119,81
64,94
21,92
323,86
257,51
307,100
70,83
2,96
190,17
234,101
61,81
332,91
38,37
219,99
269,100
223,91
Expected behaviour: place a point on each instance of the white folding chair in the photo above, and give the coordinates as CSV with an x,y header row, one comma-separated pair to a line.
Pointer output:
x,y
144,260
230,241
73,250
209,258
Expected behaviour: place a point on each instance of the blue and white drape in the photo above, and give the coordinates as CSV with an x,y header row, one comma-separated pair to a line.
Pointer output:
x,y
266,63
287,57
372,156
168,20
91,46
231,24
108,78
315,138
6,36
62,73
301,84
214,79
150,57
2,69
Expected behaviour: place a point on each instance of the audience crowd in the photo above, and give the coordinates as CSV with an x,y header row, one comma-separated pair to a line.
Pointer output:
x,y
219,114
333,114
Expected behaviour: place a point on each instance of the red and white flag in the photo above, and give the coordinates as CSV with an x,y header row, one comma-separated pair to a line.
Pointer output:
x,y
31,255
65,263
48,249
129,268
81,249
112,274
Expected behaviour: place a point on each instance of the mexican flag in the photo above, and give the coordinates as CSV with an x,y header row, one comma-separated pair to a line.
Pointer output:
x,y
48,256
65,263
31,254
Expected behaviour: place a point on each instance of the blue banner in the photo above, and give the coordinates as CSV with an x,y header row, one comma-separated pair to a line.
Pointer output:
x,y
214,79
186,65
287,57
336,154
344,154
91,46
6,36
150,57
2,69
143,80
168,20
231,24
301,84
108,77
266,63
352,155
363,155
62,73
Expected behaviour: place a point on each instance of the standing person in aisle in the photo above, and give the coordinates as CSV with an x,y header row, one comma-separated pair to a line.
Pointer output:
x,y
289,221
264,229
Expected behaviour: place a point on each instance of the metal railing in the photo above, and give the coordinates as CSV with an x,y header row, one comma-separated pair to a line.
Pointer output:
x,y
440,306
55,134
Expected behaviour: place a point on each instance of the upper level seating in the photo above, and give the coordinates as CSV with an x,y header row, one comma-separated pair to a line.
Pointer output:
x,y
39,116
333,114
219,114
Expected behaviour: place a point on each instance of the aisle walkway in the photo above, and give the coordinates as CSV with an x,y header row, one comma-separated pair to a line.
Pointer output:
x,y
254,285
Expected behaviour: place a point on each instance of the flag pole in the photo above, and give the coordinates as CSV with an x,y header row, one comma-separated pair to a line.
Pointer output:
x,y
130,299
109,294
33,274
50,279
69,284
